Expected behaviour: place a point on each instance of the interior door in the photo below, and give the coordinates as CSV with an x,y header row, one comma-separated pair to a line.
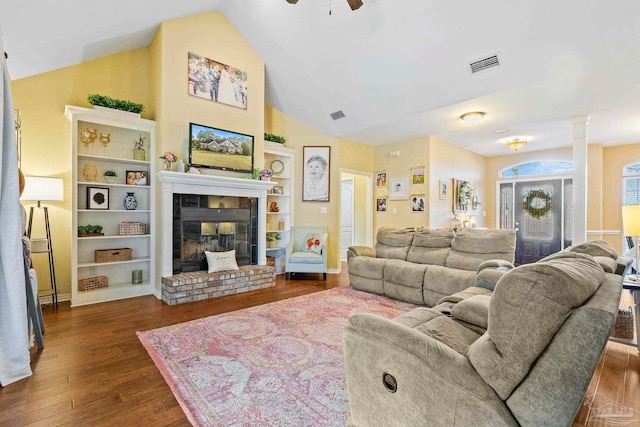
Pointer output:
x,y
538,237
346,221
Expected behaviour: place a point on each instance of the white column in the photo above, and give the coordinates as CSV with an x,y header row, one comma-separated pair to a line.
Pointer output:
x,y
580,141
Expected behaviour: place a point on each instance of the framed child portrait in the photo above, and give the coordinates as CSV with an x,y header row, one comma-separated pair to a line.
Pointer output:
x,y
381,204
315,178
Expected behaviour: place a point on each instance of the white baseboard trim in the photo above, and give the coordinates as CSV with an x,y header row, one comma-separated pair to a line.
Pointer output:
x,y
61,297
605,232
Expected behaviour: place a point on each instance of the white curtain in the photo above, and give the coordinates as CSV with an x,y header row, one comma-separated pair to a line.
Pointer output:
x,y
14,334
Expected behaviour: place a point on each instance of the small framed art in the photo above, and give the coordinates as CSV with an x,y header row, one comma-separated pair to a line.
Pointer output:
x,y
417,175
381,204
137,178
98,198
381,179
442,189
417,203
277,189
398,189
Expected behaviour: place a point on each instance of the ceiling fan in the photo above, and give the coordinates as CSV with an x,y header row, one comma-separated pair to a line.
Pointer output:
x,y
354,4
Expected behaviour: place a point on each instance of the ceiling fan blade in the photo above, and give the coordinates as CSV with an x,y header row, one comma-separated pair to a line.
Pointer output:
x,y
292,1
355,4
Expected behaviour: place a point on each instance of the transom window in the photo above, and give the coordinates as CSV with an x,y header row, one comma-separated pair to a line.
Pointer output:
x,y
541,167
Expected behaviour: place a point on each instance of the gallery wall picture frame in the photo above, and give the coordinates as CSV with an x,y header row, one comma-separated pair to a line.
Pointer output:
x,y
217,82
137,178
98,198
381,179
316,177
442,189
398,189
418,203
417,175
381,204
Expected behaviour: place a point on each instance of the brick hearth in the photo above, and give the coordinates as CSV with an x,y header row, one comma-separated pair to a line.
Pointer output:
x,y
200,285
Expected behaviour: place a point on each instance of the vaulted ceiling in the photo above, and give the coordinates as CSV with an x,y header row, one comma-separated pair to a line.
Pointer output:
x,y
397,69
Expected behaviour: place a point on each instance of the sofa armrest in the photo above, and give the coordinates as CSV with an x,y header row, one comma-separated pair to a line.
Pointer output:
x,y
361,251
623,265
495,263
489,272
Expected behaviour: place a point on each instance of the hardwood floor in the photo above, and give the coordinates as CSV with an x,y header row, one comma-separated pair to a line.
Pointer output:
x,y
94,371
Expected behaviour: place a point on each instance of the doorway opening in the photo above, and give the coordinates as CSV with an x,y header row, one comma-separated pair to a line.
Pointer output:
x,y
356,210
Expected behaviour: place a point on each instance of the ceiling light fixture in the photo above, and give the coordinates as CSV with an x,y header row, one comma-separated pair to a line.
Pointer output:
x,y
516,144
473,117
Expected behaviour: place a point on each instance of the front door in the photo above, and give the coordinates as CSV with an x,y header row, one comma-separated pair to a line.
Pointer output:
x,y
540,212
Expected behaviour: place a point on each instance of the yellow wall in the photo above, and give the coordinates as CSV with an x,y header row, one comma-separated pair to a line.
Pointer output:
x,y
299,135
412,153
449,162
210,35
46,135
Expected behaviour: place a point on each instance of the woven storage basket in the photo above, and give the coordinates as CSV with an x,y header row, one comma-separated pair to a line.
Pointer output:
x,y
132,228
624,325
91,283
112,255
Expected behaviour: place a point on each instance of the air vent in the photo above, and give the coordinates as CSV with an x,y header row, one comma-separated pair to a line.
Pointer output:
x,y
337,115
484,64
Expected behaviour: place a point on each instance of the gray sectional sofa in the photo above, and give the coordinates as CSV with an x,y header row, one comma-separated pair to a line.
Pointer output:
x,y
421,266
519,349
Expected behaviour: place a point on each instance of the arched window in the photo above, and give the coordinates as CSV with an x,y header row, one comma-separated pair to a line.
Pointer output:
x,y
541,167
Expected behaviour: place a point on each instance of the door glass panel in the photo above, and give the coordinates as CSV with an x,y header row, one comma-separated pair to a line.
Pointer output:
x,y
506,206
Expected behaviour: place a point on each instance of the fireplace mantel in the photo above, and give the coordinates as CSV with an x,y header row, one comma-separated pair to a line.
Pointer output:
x,y
210,185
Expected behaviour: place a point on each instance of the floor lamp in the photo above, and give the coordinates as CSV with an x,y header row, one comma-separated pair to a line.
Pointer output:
x,y
631,224
43,189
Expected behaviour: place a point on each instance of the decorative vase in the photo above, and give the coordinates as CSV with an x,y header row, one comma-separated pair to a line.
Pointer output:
x,y
167,165
130,202
271,244
139,154
181,166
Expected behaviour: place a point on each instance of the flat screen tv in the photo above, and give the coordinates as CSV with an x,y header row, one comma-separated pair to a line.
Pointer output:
x,y
220,149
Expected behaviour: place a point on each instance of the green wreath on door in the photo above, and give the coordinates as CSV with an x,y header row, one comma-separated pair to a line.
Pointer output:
x,y
537,203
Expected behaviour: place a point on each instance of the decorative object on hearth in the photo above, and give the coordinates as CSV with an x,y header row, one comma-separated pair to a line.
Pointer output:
x,y
138,148
130,201
537,203
168,158
516,144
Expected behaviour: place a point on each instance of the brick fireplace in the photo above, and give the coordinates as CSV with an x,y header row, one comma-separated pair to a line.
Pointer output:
x,y
193,286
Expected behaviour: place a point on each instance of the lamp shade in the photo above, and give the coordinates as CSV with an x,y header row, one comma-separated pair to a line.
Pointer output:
x,y
631,220
40,188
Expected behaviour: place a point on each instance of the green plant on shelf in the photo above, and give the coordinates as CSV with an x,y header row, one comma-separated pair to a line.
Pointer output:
x,y
117,104
110,173
272,237
274,138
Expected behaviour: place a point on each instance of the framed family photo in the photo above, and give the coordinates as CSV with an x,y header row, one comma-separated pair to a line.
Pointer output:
x,y
315,177
217,82
137,178
417,175
381,179
398,189
381,204
418,203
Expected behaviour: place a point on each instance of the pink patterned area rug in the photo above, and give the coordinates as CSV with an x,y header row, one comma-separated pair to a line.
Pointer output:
x,y
277,364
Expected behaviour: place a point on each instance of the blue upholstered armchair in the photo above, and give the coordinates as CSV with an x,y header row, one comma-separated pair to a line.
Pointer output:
x,y
307,251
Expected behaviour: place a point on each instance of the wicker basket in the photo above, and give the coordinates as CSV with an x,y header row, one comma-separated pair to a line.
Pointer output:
x,y
113,255
132,228
624,325
91,283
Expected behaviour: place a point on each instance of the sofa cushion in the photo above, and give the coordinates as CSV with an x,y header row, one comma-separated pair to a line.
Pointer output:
x,y
594,248
305,257
394,243
430,246
442,281
471,247
474,310
529,304
403,280
365,274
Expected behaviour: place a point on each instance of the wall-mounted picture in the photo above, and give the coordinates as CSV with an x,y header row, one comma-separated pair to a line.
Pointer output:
x,y
277,189
381,179
220,149
417,203
217,82
381,204
98,198
442,189
417,175
315,179
137,178
398,189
